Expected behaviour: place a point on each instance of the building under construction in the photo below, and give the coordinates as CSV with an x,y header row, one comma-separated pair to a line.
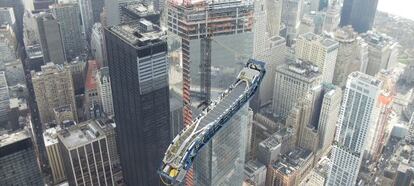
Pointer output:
x,y
216,39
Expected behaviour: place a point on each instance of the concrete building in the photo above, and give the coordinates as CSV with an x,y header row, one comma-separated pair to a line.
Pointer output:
x,y
86,13
34,59
318,174
70,27
359,13
405,175
98,44
104,90
135,10
255,173
91,88
292,81
4,98
355,118
50,137
80,145
347,60
320,51
77,68
53,88
333,17
145,108
63,114
279,143
7,17
291,16
18,161
262,129
50,37
382,52
291,168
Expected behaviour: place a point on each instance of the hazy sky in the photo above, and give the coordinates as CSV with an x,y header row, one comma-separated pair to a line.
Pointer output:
x,y
403,8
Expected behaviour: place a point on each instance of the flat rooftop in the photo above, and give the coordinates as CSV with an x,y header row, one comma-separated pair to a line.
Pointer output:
x,y
366,79
139,33
139,8
292,161
81,134
301,68
253,166
326,42
50,136
8,139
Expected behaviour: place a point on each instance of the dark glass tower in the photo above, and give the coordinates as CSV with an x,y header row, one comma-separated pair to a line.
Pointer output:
x,y
359,13
139,78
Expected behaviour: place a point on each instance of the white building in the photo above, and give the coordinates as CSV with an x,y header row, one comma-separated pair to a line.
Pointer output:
x,y
53,154
333,17
320,51
104,90
357,113
98,44
292,81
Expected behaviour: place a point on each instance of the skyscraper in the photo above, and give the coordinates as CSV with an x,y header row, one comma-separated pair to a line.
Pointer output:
x,y
85,152
138,65
70,27
53,88
4,98
18,161
333,17
50,38
357,113
320,51
292,81
359,13
50,137
104,90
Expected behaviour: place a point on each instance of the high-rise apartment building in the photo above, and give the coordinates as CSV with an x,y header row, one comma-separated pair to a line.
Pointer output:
x,y
54,157
355,118
53,88
18,161
137,61
292,81
68,17
104,90
50,38
320,51
382,52
359,13
85,152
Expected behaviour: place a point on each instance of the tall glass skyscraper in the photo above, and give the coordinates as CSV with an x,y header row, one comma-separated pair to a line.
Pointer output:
x,y
139,78
359,13
356,115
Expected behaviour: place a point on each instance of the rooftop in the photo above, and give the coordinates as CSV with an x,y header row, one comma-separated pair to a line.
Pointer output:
x,y
81,134
292,161
103,72
296,66
139,8
140,33
64,108
90,76
378,39
8,139
326,42
252,166
34,51
277,138
366,79
50,135
345,34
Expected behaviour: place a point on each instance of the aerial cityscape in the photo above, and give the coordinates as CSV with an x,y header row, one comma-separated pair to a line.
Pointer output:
x,y
206,93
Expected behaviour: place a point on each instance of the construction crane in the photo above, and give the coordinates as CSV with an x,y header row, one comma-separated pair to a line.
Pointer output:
x,y
182,151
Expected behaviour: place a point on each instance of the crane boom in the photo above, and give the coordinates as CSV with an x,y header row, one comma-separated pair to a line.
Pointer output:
x,y
184,148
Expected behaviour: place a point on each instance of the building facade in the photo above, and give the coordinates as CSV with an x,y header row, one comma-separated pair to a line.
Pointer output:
x,y
54,157
359,13
104,90
139,81
356,115
53,88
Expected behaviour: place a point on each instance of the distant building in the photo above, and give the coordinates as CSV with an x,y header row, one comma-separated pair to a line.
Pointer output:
x,y
255,173
50,37
91,88
333,17
291,168
405,175
77,68
359,13
279,143
80,145
86,14
139,82
291,15
319,51
53,88
135,10
104,90
292,81
382,52
98,44
355,118
55,160
4,98
68,16
18,161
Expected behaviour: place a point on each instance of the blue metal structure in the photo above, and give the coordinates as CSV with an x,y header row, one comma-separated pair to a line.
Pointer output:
x,y
185,146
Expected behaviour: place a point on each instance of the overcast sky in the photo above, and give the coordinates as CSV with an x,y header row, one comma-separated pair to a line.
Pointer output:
x,y
403,8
